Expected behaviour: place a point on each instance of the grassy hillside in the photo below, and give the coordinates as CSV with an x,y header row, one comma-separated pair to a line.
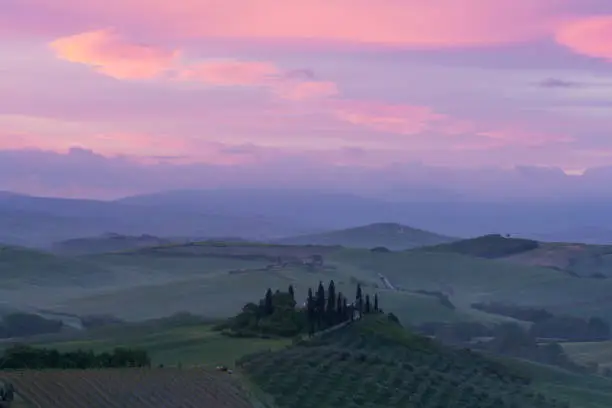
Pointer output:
x,y
467,280
20,267
106,243
376,363
216,279
169,341
389,235
591,261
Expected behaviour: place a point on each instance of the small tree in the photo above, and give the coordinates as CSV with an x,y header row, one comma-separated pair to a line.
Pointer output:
x,y
331,303
368,305
268,303
310,312
291,292
359,300
320,301
339,316
376,303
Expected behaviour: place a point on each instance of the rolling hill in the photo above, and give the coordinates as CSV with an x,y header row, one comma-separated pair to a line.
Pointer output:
x,y
107,243
372,362
389,235
23,267
376,363
216,279
577,259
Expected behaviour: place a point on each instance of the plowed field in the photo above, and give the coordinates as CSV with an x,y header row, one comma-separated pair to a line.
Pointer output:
x,y
126,388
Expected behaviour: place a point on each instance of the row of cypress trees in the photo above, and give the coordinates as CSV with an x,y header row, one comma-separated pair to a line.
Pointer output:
x,y
329,308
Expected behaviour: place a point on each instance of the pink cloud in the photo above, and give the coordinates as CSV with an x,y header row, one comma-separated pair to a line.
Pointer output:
x,y
231,73
434,23
109,54
588,36
402,119
391,118
284,84
305,90
113,144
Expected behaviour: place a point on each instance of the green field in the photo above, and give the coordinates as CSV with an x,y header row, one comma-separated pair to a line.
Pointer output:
x,y
169,344
216,281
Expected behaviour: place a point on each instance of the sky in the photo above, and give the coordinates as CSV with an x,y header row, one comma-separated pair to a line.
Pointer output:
x,y
104,98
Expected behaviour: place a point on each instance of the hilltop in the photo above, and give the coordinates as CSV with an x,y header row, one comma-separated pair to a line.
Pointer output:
x,y
107,243
375,362
389,235
577,259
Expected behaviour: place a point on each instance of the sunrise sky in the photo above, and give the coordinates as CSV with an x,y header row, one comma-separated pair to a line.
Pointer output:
x,y
109,97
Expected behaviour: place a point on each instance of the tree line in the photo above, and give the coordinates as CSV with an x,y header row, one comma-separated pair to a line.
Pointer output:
x,y
27,357
278,313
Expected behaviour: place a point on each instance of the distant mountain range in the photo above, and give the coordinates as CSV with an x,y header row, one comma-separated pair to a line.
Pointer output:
x,y
389,235
274,214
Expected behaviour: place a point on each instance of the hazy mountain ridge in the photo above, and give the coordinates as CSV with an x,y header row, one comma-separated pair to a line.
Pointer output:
x,y
390,235
273,214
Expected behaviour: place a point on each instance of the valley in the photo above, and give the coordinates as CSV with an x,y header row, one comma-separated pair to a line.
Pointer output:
x,y
166,298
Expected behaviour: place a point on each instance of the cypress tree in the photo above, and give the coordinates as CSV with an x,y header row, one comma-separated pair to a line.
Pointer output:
x,y
368,306
376,303
291,292
268,305
331,302
310,310
339,315
359,300
320,301
345,310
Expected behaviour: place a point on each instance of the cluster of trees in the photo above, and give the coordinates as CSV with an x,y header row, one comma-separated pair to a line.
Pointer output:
x,y
509,339
27,324
548,325
278,313
327,309
27,357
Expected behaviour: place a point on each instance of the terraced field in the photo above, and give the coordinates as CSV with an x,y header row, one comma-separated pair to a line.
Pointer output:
x,y
118,388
